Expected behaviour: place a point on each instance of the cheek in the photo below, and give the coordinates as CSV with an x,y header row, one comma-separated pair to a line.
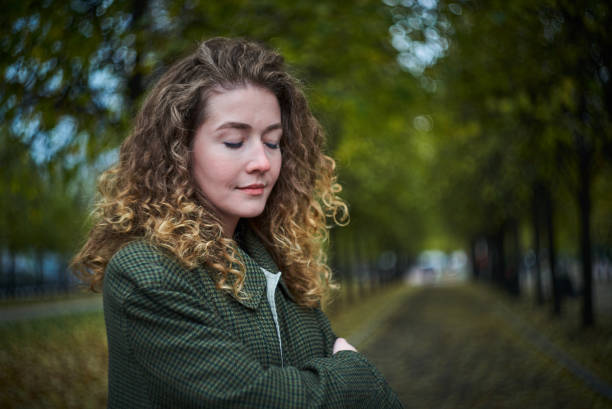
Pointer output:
x,y
217,177
276,168
210,172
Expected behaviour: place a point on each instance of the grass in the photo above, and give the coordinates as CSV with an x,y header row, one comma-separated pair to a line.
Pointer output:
x,y
592,347
54,363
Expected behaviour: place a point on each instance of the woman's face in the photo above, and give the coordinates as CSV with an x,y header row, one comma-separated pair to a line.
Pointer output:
x,y
236,152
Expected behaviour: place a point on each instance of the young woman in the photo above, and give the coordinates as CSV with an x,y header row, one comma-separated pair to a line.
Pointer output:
x,y
208,240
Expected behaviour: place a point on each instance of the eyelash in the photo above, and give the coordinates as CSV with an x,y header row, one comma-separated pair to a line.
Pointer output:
x,y
236,145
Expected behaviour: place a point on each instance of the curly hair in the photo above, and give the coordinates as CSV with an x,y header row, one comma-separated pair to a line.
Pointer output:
x,y
151,194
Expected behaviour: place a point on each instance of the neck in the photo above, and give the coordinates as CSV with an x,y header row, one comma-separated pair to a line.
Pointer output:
x,y
229,227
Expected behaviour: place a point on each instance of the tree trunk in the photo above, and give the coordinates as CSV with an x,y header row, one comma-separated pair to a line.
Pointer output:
x,y
536,244
499,262
349,273
359,270
552,253
12,275
40,272
584,208
475,261
334,262
515,266
135,83
348,262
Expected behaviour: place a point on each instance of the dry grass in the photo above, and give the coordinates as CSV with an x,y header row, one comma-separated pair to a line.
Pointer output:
x,y
54,363
592,347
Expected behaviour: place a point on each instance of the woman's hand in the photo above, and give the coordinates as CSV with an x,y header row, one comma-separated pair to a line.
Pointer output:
x,y
341,344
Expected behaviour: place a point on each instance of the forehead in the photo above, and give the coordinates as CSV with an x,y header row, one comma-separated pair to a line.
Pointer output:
x,y
245,103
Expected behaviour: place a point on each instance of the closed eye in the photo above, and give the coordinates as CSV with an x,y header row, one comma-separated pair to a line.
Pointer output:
x,y
233,145
272,145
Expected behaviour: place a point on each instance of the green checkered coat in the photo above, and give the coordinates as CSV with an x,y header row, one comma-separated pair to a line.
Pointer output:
x,y
175,341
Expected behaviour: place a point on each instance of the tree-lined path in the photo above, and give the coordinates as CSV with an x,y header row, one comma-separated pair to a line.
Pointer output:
x,y
450,347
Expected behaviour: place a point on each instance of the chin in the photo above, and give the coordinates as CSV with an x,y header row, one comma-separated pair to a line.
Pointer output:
x,y
250,213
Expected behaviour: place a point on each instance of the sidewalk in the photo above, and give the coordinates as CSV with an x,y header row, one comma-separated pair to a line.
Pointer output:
x,y
50,309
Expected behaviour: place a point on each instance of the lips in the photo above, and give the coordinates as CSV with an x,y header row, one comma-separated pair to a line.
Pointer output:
x,y
253,186
254,190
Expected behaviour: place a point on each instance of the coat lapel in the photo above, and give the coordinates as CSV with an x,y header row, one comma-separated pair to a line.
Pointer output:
x,y
254,282
258,253
255,255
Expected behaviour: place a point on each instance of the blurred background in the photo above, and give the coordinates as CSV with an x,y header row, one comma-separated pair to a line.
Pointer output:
x,y
473,140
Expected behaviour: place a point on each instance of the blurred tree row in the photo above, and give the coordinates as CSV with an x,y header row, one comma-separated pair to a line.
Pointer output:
x,y
523,111
467,121
75,72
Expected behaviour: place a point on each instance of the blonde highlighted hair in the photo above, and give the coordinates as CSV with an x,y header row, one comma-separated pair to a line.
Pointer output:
x,y
150,193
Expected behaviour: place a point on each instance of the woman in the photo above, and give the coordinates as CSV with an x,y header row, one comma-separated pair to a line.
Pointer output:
x,y
220,195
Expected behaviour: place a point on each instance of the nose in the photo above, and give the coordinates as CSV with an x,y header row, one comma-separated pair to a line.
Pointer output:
x,y
258,161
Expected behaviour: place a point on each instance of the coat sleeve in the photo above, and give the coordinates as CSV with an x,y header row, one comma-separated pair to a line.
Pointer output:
x,y
190,360
389,398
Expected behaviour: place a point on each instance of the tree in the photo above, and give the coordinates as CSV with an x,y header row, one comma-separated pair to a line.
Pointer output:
x,y
69,98
515,77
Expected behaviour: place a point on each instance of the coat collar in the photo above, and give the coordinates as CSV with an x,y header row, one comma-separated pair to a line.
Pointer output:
x,y
258,253
255,256
254,285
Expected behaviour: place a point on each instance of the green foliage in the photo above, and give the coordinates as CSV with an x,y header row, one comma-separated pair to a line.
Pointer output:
x,y
76,71
523,90
495,108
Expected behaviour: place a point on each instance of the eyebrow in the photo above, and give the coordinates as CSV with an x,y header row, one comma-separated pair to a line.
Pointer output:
x,y
241,125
